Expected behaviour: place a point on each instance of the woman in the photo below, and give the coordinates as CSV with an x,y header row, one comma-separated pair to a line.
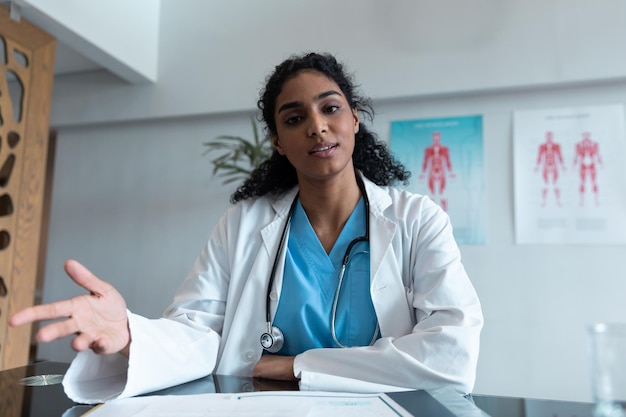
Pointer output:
x,y
364,280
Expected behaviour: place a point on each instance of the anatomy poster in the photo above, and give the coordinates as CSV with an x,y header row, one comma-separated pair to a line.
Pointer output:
x,y
445,157
570,175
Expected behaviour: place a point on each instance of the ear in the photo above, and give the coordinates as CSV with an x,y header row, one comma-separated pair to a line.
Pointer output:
x,y
276,143
355,115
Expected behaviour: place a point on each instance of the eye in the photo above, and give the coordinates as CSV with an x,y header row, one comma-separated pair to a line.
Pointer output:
x,y
331,108
292,120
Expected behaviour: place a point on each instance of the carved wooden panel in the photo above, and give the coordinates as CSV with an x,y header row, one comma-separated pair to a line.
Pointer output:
x,y
26,77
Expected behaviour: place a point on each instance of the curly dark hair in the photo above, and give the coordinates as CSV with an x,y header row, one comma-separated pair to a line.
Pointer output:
x,y
371,156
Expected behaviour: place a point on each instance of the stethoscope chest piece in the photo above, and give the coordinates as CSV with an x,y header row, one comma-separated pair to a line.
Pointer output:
x,y
272,340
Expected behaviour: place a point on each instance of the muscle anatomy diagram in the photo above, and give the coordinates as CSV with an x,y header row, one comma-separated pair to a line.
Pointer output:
x,y
550,161
587,158
437,167
585,164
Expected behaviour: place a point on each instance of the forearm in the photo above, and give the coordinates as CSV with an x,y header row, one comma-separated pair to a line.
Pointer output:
x,y
162,353
275,367
410,362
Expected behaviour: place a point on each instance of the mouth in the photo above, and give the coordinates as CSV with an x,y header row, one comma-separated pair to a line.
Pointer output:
x,y
323,148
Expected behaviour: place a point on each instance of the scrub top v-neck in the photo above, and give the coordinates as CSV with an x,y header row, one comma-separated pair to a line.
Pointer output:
x,y
309,283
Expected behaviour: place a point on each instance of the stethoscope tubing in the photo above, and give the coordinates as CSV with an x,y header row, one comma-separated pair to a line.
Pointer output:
x,y
364,238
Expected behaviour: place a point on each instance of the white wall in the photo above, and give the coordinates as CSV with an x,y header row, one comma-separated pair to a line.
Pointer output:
x,y
214,54
135,200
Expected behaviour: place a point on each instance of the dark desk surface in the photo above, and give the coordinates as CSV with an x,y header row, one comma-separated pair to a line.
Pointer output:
x,y
18,400
529,407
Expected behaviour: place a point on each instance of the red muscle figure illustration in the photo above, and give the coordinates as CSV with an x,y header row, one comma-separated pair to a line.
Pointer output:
x,y
550,160
588,157
437,162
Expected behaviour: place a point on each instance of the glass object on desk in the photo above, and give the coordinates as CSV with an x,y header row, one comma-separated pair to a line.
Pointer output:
x,y
608,368
41,380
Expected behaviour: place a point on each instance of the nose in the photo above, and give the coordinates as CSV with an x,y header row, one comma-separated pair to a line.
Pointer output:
x,y
317,125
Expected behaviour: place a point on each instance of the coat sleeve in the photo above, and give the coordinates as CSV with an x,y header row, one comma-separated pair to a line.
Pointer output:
x,y
162,349
442,347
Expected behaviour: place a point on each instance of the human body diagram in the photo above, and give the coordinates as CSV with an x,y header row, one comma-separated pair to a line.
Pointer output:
x,y
550,163
587,157
438,167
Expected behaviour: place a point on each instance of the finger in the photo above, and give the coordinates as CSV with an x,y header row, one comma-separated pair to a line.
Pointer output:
x,y
42,312
100,347
57,330
81,342
85,278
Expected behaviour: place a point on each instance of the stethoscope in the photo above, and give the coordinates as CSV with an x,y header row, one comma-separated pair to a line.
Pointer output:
x,y
273,339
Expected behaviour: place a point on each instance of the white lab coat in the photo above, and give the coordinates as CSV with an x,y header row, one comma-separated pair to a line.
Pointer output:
x,y
429,314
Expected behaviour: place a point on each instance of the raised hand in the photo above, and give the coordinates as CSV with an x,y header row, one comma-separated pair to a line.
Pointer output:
x,y
98,319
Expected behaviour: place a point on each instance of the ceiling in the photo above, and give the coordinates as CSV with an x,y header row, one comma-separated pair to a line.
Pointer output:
x,y
83,37
69,61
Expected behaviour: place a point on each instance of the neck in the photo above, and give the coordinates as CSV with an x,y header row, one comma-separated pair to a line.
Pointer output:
x,y
329,206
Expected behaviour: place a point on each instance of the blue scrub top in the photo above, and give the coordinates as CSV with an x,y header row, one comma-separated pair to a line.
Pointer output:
x,y
309,283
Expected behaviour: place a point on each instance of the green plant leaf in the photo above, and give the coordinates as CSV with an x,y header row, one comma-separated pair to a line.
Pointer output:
x,y
238,156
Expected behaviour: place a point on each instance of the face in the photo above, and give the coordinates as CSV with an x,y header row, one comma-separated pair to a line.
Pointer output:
x,y
315,127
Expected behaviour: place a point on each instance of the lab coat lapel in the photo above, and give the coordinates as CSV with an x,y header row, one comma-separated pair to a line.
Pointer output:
x,y
271,236
386,287
241,348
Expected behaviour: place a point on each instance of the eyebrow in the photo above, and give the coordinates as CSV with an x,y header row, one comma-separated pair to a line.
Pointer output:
x,y
295,104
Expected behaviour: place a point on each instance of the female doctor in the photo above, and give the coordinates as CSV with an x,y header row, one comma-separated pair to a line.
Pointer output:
x,y
320,272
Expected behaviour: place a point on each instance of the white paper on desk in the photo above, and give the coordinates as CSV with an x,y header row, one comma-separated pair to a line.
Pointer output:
x,y
270,403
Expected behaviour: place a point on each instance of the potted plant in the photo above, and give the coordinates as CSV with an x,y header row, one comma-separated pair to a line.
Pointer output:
x,y
239,156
